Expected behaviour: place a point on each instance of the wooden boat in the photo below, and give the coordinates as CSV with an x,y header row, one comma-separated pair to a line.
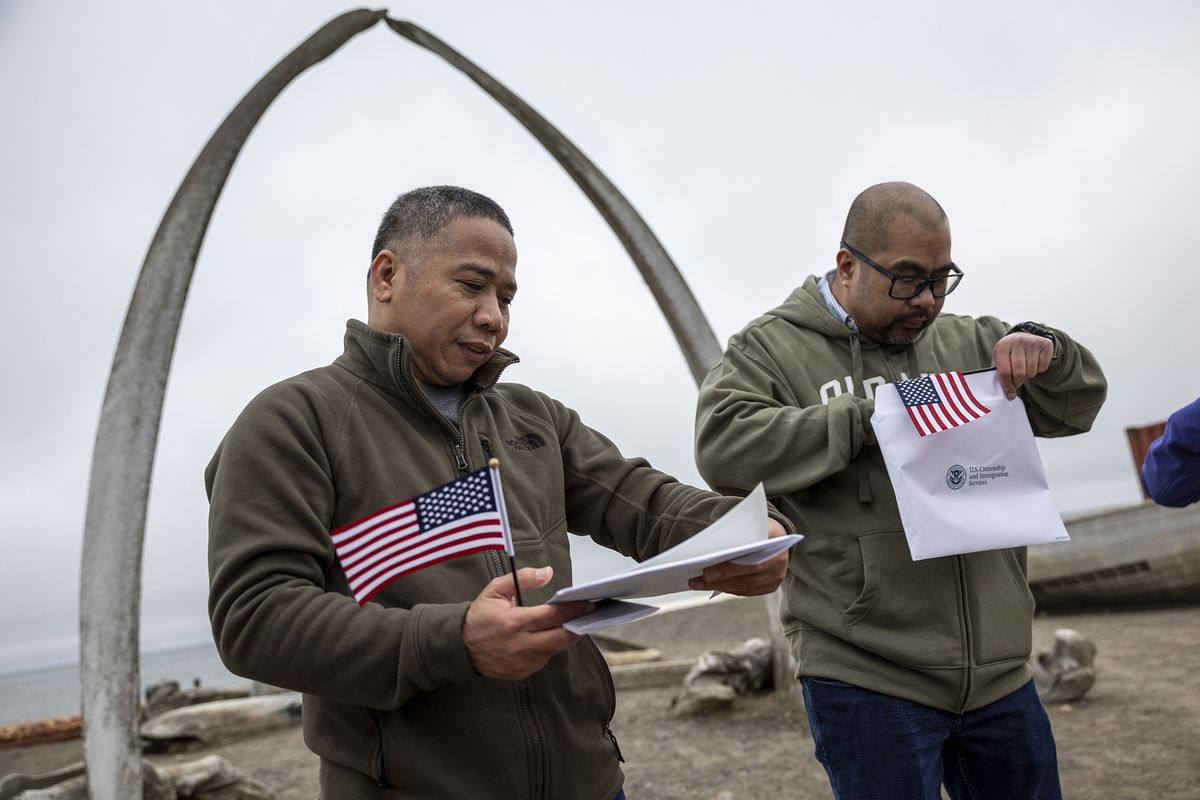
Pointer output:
x,y
1138,555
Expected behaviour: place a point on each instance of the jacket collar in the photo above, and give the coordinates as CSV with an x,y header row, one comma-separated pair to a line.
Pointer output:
x,y
384,359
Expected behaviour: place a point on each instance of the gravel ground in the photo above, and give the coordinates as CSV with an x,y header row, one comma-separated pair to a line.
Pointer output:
x,y
1134,736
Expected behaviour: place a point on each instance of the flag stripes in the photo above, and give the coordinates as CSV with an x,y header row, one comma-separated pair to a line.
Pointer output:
x,y
939,402
459,518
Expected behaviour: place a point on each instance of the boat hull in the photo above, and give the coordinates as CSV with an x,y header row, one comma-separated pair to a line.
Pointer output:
x,y
1139,555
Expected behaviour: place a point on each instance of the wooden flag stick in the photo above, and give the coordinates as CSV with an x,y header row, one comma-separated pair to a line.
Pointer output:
x,y
494,466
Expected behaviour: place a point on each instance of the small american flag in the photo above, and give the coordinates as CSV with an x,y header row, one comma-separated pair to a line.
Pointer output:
x,y
940,402
461,517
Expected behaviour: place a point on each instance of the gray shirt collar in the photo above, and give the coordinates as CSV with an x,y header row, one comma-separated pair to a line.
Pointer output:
x,y
446,399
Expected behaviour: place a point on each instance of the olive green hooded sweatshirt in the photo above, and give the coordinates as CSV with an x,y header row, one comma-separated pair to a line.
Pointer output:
x,y
392,705
790,405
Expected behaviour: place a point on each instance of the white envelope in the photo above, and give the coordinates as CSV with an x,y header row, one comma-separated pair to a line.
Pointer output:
x,y
977,486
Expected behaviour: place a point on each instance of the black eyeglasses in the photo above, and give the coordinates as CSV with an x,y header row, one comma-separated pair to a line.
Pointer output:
x,y
906,288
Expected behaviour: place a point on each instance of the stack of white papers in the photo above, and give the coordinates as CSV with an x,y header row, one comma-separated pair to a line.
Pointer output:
x,y
739,536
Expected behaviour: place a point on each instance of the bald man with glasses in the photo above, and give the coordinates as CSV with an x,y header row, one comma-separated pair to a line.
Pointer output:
x,y
914,673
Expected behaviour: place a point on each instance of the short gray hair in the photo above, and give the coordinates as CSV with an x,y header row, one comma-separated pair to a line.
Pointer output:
x,y
417,216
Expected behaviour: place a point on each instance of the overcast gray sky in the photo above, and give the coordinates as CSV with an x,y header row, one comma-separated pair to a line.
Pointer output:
x,y
1061,139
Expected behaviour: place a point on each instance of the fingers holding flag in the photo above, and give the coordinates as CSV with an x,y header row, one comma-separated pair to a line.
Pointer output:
x,y
510,642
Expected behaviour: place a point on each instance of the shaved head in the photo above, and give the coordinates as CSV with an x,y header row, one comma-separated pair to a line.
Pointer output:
x,y
896,231
869,222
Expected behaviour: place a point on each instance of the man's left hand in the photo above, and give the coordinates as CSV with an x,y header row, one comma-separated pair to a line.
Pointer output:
x,y
746,580
1018,357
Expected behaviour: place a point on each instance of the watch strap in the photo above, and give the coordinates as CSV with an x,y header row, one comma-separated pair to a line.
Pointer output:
x,y
1035,328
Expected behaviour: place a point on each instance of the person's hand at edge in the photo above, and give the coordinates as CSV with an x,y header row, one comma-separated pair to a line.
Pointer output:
x,y
743,579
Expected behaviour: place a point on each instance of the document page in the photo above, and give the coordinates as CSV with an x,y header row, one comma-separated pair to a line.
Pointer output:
x,y
608,614
740,535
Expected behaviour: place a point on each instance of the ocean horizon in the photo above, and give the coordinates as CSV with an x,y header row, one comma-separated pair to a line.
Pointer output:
x,y
41,692
45,692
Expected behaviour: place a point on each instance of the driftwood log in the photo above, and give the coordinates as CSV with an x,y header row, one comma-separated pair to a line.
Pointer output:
x,y
208,778
209,723
168,696
42,731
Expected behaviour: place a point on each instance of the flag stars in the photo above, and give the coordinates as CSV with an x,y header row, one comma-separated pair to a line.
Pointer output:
x,y
471,495
918,391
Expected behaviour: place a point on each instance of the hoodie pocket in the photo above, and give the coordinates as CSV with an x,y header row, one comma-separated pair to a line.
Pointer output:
x,y
907,611
1001,607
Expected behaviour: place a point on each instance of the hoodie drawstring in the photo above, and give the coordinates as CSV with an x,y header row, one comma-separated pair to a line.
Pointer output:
x,y
914,370
856,376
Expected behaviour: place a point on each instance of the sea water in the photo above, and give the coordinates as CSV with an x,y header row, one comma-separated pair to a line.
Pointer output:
x,y
54,691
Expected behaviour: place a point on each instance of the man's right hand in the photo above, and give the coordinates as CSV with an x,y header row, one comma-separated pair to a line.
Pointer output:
x,y
510,642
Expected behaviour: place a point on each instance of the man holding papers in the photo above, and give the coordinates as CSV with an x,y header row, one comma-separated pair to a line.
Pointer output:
x,y
914,672
356,536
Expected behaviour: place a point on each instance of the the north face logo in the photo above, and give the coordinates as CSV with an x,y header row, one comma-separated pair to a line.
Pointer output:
x,y
529,441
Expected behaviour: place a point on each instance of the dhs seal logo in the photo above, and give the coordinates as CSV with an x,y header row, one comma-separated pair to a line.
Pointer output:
x,y
956,477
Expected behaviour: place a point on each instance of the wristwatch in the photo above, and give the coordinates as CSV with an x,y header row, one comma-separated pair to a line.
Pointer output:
x,y
1037,330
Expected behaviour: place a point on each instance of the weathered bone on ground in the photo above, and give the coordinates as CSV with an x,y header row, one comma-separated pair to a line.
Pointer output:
x,y
718,676
1065,672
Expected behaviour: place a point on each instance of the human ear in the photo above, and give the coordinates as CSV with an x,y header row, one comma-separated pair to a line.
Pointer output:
x,y
845,265
384,274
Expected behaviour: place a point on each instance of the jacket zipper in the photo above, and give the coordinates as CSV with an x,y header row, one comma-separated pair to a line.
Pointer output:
x,y
960,576
524,698
460,447
524,695
612,737
968,654
457,448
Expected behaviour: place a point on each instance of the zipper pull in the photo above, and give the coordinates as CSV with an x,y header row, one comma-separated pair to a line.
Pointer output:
x,y
612,737
460,459
487,448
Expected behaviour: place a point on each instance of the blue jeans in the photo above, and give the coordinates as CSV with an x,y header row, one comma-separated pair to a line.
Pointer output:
x,y
876,746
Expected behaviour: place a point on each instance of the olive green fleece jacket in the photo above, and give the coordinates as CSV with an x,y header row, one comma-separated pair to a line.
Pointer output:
x,y
790,405
392,705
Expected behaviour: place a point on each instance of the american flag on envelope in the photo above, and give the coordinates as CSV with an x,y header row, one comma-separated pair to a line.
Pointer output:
x,y
939,402
455,519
